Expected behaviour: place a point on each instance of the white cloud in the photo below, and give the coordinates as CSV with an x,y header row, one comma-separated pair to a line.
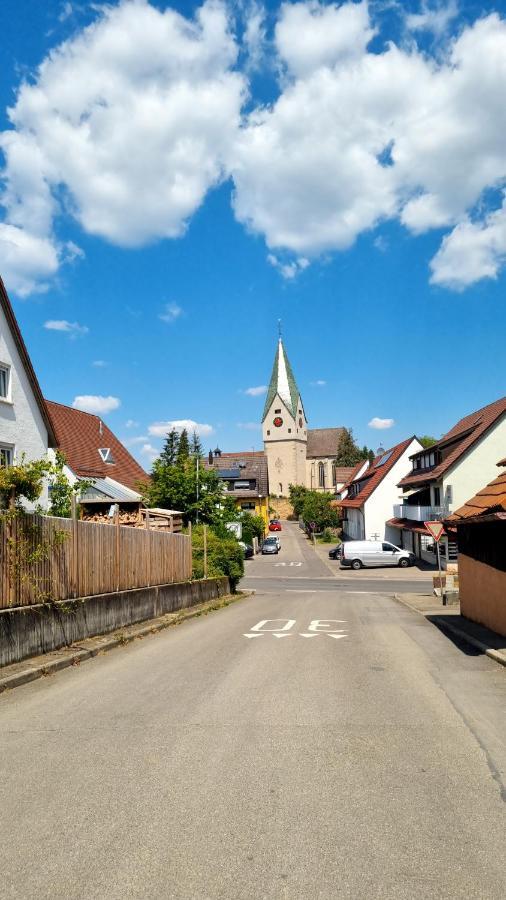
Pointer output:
x,y
381,424
171,312
131,423
254,36
318,383
73,329
311,35
96,404
471,252
256,391
150,452
434,17
160,429
249,426
361,137
99,363
129,120
135,441
27,262
288,270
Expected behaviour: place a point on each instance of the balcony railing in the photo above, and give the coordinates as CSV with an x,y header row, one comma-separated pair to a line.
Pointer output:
x,y
420,513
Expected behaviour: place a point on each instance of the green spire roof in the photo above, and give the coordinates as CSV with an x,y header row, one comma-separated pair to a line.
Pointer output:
x,y
282,383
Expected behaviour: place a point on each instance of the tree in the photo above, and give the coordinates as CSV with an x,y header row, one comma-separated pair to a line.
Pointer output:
x,y
175,487
61,490
366,453
317,510
427,441
183,450
23,481
348,453
170,448
196,448
297,494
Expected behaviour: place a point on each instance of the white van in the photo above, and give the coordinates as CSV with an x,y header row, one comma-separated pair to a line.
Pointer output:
x,y
374,553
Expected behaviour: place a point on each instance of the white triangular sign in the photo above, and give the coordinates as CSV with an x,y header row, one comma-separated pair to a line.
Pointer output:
x,y
436,529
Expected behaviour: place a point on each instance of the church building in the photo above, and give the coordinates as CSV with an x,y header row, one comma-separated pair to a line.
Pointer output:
x,y
295,453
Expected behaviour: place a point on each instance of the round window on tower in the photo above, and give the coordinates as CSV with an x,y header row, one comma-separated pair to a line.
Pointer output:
x,y
278,421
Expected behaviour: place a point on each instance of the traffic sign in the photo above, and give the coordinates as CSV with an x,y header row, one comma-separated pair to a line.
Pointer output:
x,y
436,529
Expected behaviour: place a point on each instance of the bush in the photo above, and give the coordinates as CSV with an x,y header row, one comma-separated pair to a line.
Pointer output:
x,y
327,537
224,555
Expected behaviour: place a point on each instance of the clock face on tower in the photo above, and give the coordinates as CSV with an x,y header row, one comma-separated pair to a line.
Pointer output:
x,y
278,421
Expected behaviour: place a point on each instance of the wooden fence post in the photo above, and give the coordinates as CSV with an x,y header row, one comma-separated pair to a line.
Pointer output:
x,y
12,538
148,551
118,547
75,564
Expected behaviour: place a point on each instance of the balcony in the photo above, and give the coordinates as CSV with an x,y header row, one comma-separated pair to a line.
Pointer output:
x,y
420,513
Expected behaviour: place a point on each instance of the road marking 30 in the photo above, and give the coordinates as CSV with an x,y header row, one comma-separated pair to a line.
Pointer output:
x,y
280,564
315,628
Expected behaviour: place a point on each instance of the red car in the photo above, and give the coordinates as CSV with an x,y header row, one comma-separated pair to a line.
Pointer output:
x,y
274,525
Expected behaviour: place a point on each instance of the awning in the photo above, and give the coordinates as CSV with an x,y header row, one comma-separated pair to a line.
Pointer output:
x,y
408,525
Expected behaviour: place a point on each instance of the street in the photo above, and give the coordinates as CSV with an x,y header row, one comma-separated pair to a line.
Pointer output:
x,y
314,740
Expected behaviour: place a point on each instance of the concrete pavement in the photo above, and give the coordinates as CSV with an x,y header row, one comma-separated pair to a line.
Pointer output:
x,y
353,752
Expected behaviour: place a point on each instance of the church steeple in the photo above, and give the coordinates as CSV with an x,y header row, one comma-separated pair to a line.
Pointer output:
x,y
282,383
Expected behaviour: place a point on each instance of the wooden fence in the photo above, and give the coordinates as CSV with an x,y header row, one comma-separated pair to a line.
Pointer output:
x,y
44,558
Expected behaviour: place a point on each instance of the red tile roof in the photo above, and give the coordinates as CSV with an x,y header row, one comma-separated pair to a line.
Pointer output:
x,y
408,525
375,474
80,435
465,433
344,473
490,500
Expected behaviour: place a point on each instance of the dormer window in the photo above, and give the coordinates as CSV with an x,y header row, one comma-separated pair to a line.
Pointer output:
x,y
106,455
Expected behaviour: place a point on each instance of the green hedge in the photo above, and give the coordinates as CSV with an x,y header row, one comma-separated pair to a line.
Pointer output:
x,y
224,556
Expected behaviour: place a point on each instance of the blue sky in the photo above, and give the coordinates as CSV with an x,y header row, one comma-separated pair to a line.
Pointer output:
x,y
352,190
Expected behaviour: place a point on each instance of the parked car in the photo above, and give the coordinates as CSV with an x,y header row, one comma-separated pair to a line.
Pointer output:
x,y
357,554
275,525
335,553
270,545
247,549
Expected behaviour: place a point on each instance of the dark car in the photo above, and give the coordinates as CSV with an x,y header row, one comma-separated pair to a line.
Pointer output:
x,y
335,553
248,552
270,545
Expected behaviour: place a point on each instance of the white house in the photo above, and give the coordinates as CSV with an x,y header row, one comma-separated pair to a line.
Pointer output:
x,y
441,478
369,497
25,426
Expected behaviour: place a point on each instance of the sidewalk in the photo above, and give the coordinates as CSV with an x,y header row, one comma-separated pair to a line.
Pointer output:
x,y
449,620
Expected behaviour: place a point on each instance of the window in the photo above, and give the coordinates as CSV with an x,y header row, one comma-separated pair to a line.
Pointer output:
x,y
106,455
248,507
280,488
242,485
334,475
277,412
289,431
4,381
437,497
321,475
6,455
449,494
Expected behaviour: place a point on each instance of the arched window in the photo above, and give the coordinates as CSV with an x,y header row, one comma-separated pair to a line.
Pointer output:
x,y
321,475
334,474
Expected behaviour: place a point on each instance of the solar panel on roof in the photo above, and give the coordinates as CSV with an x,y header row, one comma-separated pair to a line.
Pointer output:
x,y
229,473
384,459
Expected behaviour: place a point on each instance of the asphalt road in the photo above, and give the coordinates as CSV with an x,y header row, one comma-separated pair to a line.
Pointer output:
x,y
355,752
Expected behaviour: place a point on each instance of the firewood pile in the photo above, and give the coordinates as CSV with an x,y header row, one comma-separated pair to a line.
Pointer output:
x,y
133,519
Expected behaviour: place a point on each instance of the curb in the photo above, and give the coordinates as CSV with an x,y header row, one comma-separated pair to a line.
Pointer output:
x,y
152,626
497,655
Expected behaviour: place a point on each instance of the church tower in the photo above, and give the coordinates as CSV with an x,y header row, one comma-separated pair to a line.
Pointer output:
x,y
284,427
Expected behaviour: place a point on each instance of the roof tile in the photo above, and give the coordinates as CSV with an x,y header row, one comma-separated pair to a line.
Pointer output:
x,y
80,435
375,474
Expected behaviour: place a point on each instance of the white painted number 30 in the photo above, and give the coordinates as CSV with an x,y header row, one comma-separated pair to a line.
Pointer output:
x,y
281,628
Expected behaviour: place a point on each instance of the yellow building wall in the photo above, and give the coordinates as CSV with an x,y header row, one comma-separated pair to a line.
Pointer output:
x,y
261,507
